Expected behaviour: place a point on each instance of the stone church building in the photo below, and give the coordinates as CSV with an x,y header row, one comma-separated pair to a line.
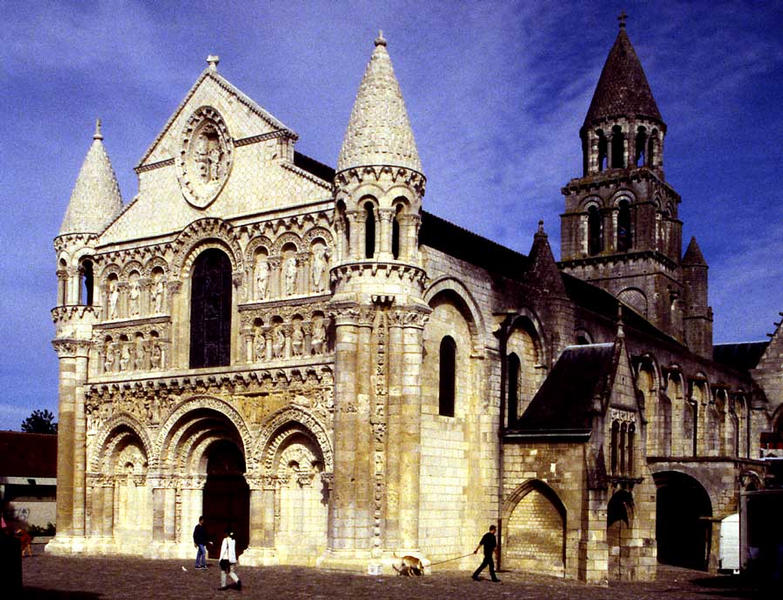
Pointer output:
x,y
305,353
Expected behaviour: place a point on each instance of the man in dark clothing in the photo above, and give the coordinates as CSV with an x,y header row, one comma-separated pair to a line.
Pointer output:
x,y
490,544
200,540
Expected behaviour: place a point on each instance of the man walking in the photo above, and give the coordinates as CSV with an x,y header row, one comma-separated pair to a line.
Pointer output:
x,y
490,544
201,541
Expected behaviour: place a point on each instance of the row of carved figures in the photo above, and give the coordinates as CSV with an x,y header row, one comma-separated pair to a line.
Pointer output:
x,y
287,276
280,341
138,355
126,300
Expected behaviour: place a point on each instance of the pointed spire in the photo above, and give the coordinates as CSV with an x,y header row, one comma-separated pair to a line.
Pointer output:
x,y
622,89
379,132
693,255
543,271
96,197
620,331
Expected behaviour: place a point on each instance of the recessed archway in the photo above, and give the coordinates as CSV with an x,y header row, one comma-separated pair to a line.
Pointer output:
x,y
683,528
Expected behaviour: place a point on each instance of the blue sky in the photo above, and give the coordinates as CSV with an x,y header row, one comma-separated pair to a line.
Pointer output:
x,y
496,93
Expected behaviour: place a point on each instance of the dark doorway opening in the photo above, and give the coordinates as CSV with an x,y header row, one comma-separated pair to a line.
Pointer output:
x,y
226,496
683,528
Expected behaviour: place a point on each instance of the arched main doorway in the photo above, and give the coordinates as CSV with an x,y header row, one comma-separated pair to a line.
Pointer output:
x,y
226,500
683,528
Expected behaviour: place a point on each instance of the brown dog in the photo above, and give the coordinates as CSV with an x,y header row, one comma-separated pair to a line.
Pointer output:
x,y
410,567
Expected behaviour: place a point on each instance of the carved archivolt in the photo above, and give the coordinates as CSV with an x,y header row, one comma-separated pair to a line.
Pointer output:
x,y
153,263
195,403
107,438
197,235
280,425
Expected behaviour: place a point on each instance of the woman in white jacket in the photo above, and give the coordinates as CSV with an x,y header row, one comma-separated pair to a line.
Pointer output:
x,y
228,561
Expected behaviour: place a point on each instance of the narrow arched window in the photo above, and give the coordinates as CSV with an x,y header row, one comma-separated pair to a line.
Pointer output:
x,y
624,233
447,377
641,147
395,241
629,455
210,310
513,369
622,447
652,149
618,150
615,441
86,283
369,230
602,151
594,231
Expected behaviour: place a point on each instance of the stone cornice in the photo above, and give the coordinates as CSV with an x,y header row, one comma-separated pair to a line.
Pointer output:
x,y
355,175
614,177
618,257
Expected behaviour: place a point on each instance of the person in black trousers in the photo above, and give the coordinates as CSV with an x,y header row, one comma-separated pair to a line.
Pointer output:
x,y
490,543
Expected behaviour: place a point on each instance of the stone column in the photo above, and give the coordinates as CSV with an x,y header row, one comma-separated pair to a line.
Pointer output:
x,y
410,430
356,221
385,217
341,535
180,326
261,549
393,433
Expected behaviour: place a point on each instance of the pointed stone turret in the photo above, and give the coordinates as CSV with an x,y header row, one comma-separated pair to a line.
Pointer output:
x,y
543,270
96,197
622,89
693,256
379,132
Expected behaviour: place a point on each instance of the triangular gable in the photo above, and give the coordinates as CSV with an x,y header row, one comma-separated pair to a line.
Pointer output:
x,y
209,75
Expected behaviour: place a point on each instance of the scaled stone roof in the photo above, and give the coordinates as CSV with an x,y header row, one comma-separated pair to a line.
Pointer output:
x,y
693,255
96,198
379,132
622,89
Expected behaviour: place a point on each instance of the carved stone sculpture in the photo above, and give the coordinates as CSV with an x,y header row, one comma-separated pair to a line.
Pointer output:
x,y
278,343
262,279
319,268
114,296
134,295
297,340
319,337
289,273
158,294
260,346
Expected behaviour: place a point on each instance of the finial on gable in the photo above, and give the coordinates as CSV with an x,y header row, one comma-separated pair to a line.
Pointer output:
x,y
97,135
620,331
212,61
380,40
622,18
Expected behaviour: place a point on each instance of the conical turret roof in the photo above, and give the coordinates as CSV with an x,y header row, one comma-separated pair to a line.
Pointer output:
x,y
693,255
96,198
622,89
379,132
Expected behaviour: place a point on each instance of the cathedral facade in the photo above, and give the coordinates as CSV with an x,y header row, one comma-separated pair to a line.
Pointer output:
x,y
304,353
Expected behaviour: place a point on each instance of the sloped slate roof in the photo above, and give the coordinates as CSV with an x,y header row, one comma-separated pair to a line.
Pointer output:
x,y
564,401
379,132
622,89
693,255
743,355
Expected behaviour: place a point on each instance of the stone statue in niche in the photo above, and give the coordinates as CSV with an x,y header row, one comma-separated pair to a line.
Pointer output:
x,y
319,268
108,359
114,297
297,340
134,295
158,293
260,345
208,154
124,357
262,279
278,342
140,352
319,337
289,274
156,354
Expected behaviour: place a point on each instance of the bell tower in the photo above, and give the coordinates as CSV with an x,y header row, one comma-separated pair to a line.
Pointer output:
x,y
379,317
620,229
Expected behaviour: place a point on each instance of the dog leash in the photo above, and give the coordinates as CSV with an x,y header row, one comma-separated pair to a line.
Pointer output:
x,y
450,559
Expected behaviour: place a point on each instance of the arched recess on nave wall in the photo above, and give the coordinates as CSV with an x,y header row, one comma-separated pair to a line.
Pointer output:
x,y
534,534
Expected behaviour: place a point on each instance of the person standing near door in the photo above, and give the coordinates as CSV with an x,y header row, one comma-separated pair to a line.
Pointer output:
x,y
228,560
201,540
